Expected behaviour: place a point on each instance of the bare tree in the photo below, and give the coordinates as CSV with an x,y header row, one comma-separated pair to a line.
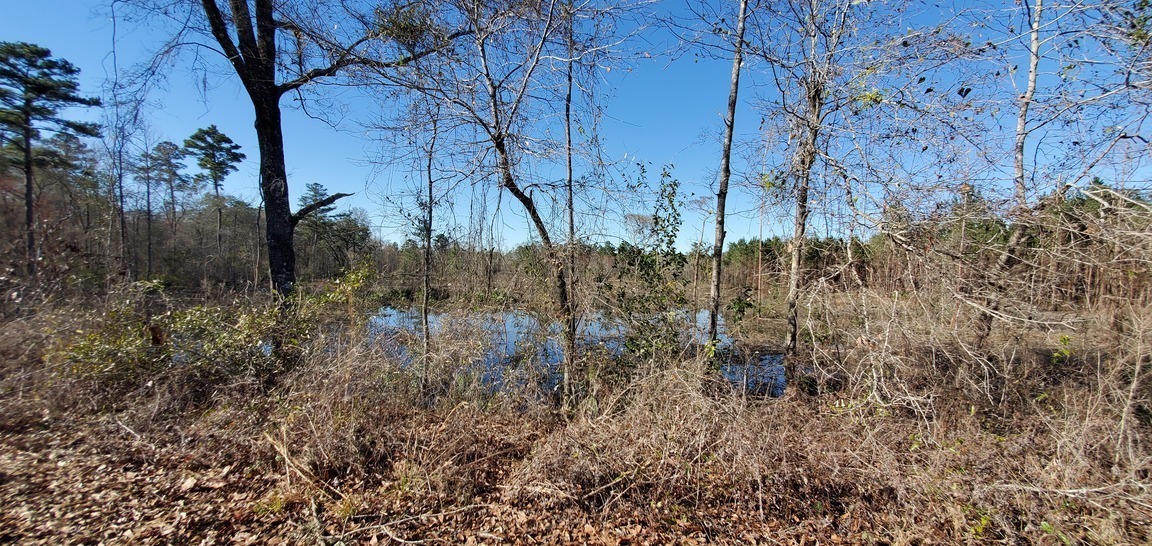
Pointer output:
x,y
144,168
1081,86
803,43
570,325
496,84
278,48
725,172
429,209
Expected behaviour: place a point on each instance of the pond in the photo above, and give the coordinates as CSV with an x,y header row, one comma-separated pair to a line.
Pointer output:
x,y
513,338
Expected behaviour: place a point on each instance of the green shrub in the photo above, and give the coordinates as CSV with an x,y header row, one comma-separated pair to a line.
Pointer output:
x,y
141,336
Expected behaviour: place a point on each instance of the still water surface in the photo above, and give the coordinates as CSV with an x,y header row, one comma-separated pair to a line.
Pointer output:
x,y
513,338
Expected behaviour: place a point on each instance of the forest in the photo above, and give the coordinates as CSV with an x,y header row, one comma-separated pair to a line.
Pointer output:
x,y
938,331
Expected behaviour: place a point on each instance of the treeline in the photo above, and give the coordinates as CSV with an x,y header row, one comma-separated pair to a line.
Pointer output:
x,y
160,220
1076,253
176,226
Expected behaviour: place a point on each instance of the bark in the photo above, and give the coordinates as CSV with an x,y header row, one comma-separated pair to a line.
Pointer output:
x,y
279,227
253,56
29,193
802,163
496,128
148,222
570,311
760,262
425,329
172,218
313,207
508,182
127,263
220,227
257,250
725,175
1018,234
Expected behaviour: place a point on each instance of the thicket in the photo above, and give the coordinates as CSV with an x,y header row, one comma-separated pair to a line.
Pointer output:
x,y
966,368
900,424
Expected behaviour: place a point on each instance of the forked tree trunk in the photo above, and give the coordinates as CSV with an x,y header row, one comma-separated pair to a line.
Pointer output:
x,y
551,253
248,38
496,129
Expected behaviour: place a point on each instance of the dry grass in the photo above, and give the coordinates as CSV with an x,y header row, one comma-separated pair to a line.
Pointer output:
x,y
905,432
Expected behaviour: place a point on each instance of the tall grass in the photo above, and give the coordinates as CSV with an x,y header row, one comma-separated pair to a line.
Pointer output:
x,y
902,424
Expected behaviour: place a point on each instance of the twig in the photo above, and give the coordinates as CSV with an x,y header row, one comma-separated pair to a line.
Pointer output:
x,y
332,492
393,536
539,488
139,439
1083,492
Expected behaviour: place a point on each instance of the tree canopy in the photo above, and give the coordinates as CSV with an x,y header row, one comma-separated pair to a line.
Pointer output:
x,y
34,87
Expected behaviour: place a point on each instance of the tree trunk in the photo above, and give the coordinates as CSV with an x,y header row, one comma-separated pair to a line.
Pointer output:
x,y
760,262
1018,234
172,210
560,285
127,263
425,330
256,250
220,229
570,312
253,55
802,162
29,195
274,190
725,174
148,221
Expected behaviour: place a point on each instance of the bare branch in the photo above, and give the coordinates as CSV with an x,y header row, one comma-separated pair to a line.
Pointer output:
x,y
313,207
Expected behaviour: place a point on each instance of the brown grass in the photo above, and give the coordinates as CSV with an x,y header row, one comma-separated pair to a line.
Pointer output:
x,y
905,432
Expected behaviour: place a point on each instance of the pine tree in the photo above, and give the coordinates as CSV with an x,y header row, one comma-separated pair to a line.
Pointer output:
x,y
160,168
217,155
34,87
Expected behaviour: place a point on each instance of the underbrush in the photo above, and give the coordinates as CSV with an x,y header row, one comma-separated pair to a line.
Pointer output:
x,y
141,344
898,428
855,466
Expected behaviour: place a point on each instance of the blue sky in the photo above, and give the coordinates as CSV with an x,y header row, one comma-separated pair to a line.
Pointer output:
x,y
660,112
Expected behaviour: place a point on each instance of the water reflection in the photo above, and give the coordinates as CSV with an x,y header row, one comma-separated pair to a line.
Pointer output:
x,y
763,376
515,338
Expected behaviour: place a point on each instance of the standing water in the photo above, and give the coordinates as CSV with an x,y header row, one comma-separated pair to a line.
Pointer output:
x,y
512,338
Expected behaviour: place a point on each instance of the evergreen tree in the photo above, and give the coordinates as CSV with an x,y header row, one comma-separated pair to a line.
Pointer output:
x,y
315,193
167,157
159,168
328,239
217,155
34,87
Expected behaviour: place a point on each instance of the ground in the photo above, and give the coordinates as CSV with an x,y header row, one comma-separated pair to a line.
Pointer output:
x,y
95,481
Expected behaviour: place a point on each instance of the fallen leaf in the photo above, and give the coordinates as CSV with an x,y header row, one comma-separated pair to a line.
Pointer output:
x,y
188,484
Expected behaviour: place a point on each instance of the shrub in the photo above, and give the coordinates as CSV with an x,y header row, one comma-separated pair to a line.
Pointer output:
x,y
141,338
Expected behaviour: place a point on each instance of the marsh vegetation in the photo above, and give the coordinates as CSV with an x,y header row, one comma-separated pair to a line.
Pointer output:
x,y
946,336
